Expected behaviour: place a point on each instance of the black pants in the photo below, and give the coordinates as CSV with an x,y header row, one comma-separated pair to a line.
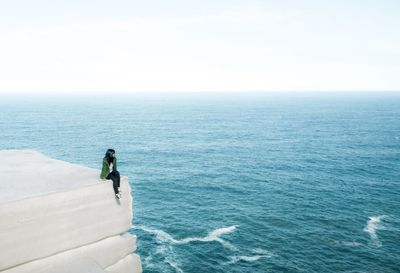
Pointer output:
x,y
114,176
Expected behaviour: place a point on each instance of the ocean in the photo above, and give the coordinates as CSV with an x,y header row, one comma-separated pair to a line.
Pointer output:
x,y
237,182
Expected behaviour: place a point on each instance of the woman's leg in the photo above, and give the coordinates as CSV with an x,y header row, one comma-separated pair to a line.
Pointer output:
x,y
114,176
118,180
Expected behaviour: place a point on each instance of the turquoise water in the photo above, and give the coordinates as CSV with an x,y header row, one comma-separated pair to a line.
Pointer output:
x,y
238,182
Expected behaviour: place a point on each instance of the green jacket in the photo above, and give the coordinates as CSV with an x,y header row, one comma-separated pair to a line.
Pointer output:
x,y
106,168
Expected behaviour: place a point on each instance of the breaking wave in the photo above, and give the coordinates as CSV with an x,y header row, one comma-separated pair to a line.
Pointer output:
x,y
211,236
371,228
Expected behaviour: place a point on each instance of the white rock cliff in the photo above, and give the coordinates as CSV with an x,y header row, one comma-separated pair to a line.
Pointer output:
x,y
61,217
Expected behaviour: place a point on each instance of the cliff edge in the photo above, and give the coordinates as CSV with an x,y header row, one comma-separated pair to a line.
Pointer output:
x,y
60,217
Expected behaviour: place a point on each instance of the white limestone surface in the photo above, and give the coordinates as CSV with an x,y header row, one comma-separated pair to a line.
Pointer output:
x,y
51,210
130,263
79,265
25,173
104,253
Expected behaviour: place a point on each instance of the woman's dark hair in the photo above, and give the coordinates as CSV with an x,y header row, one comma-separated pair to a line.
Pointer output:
x,y
108,155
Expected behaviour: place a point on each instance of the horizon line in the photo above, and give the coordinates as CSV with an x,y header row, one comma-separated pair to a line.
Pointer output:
x,y
109,92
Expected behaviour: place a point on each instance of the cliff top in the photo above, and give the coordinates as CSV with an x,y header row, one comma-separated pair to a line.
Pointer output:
x,y
25,173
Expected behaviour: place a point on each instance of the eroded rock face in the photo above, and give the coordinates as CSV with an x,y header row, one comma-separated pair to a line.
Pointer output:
x,y
55,215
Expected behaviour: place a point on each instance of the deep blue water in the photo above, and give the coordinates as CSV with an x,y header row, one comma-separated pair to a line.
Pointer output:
x,y
238,182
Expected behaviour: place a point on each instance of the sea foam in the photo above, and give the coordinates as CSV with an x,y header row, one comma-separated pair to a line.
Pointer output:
x,y
260,253
235,259
165,256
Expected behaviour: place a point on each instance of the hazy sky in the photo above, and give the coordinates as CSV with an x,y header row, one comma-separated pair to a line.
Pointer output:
x,y
204,45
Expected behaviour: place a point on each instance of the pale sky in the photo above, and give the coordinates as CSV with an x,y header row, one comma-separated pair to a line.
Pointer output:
x,y
129,46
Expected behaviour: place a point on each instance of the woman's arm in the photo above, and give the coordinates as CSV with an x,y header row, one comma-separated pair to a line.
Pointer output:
x,y
105,169
115,164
